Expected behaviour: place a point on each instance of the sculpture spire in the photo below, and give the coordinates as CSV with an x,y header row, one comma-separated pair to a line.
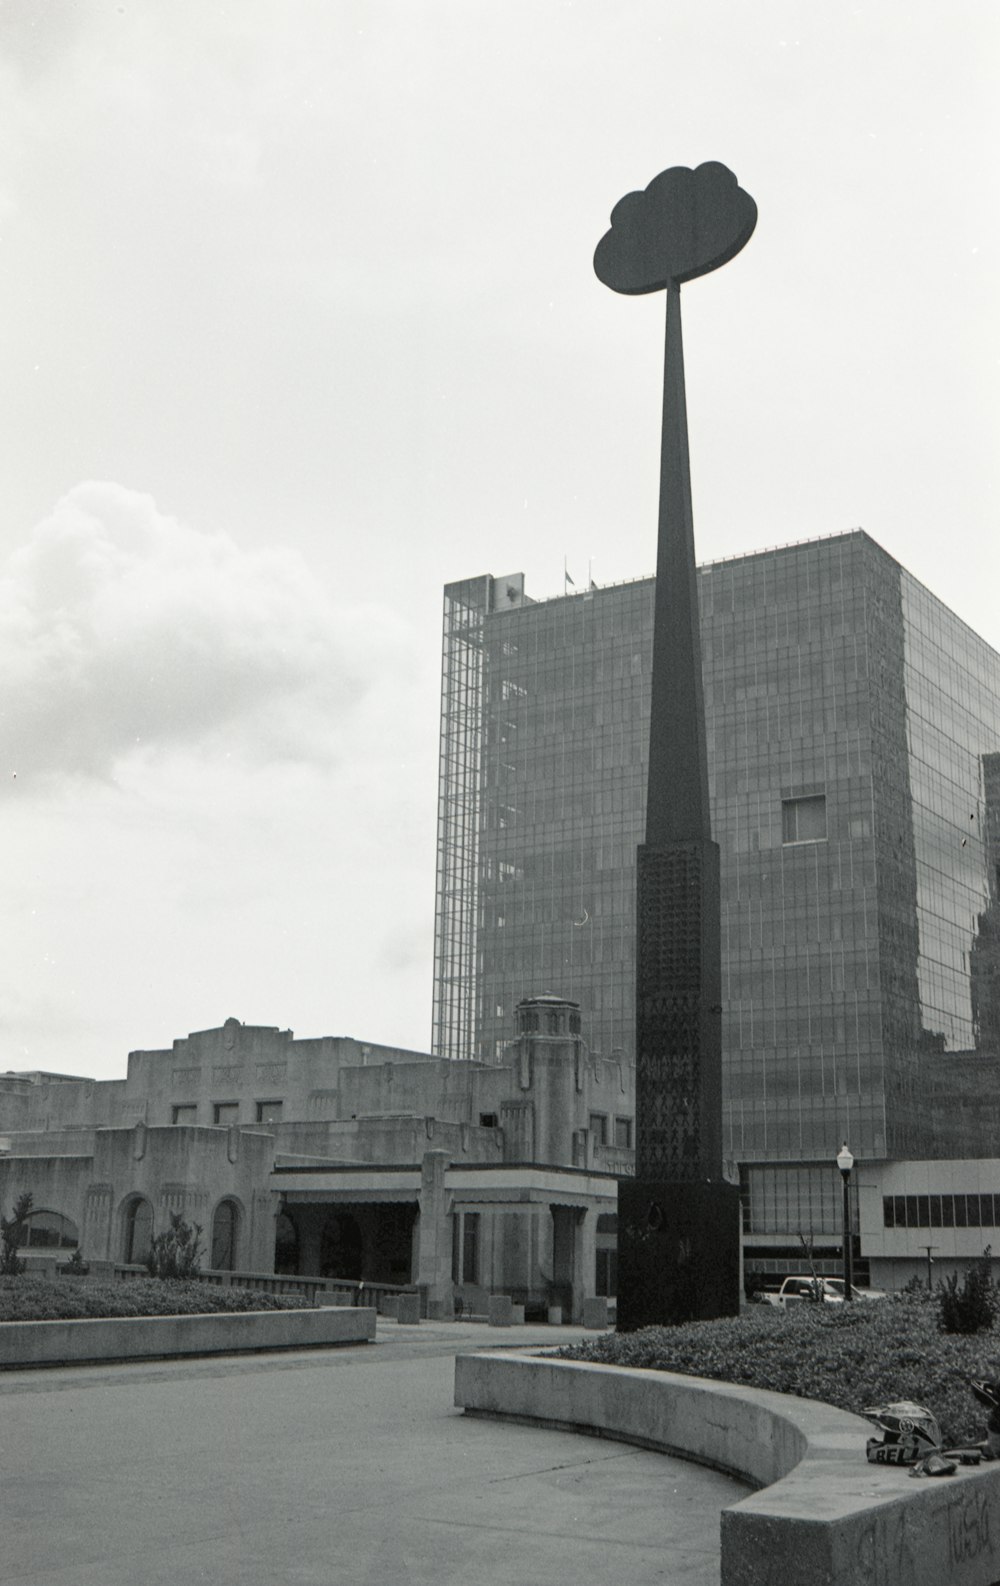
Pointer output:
x,y
678,1227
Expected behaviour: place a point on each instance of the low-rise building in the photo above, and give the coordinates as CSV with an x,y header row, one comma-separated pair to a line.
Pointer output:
x,y
350,1160
340,1158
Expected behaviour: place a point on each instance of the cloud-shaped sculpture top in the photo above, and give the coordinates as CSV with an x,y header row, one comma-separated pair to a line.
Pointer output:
x,y
685,224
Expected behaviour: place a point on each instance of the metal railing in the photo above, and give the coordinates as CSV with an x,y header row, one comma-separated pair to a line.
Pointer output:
x,y
315,1290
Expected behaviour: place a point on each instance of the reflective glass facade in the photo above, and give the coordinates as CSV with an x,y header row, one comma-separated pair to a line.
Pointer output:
x,y
853,728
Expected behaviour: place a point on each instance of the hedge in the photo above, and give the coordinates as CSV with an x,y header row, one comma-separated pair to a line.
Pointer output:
x,y
29,1299
869,1353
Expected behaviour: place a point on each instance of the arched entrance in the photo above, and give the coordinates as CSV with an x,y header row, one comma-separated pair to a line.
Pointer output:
x,y
137,1231
225,1228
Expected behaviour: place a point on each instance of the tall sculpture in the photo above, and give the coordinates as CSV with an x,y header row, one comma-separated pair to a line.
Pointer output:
x,y
678,1223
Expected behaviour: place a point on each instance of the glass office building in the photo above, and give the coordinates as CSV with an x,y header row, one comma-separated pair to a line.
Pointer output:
x,y
853,739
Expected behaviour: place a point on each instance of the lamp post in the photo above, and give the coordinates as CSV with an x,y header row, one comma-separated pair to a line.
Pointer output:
x,y
845,1162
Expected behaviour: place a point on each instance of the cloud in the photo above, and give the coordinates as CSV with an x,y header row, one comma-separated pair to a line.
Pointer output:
x,y
124,632
37,38
683,225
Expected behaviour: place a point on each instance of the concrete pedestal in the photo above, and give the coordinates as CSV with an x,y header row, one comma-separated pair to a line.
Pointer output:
x,y
595,1312
408,1308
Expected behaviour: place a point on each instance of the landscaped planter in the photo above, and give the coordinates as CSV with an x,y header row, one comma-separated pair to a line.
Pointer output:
x,y
823,1516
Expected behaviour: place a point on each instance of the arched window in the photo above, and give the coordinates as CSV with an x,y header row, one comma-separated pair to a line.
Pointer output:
x,y
49,1231
138,1229
286,1245
224,1229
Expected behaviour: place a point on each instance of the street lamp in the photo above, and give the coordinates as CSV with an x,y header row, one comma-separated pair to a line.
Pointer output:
x,y
845,1162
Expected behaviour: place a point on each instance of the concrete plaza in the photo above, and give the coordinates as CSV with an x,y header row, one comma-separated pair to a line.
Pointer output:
x,y
344,1465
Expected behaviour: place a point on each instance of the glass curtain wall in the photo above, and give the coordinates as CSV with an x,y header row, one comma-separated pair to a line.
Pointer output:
x,y
853,728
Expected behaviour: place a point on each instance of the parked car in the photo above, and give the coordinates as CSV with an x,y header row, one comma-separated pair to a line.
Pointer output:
x,y
805,1289
856,1294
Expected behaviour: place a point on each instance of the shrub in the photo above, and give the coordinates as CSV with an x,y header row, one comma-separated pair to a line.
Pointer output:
x,y
31,1299
177,1252
12,1230
76,1266
850,1356
916,1288
973,1307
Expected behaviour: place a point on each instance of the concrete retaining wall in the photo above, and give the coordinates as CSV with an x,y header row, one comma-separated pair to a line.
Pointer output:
x,y
824,1516
147,1337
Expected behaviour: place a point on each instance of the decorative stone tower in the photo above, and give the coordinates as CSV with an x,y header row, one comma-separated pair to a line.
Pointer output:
x,y
550,1067
678,1223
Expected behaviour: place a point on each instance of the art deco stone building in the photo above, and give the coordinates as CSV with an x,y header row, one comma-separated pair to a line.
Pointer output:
x,y
853,729
338,1158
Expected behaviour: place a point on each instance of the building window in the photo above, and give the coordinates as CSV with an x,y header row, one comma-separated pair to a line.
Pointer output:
x,y
804,820
623,1133
226,1112
184,1112
598,1126
269,1112
606,1274
470,1247
48,1231
941,1211
488,1120
777,1199
224,1227
138,1230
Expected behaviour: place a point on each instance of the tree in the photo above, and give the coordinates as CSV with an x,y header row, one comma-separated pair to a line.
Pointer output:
x,y
177,1252
973,1307
808,1250
12,1234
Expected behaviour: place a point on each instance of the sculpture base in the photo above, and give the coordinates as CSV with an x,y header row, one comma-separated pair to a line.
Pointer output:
x,y
678,1252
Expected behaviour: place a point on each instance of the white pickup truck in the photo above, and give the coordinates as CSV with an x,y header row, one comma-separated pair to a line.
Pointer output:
x,y
801,1289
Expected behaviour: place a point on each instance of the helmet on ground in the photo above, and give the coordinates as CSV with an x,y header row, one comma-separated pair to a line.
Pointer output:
x,y
910,1433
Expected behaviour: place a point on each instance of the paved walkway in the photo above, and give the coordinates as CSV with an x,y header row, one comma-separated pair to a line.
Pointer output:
x,y
340,1466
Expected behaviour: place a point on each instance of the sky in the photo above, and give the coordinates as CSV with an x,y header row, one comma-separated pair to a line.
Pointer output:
x,y
299,323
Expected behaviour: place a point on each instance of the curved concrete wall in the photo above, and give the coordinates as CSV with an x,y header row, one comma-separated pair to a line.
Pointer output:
x,y
823,1516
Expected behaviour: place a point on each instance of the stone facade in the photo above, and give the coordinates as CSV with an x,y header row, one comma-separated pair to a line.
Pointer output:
x,y
347,1159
